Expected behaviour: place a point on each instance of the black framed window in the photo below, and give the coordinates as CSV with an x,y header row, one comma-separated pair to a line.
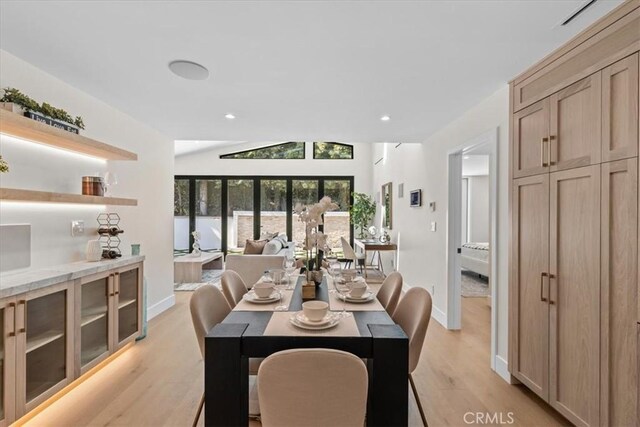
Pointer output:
x,y
228,210
332,151
284,151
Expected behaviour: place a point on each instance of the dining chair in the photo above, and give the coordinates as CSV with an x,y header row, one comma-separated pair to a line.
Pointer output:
x,y
413,314
389,292
350,256
312,387
209,307
233,287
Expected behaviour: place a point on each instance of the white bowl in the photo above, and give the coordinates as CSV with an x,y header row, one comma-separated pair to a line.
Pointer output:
x,y
315,311
263,290
358,289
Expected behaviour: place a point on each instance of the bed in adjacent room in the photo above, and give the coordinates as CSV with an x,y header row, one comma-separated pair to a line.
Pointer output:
x,y
475,257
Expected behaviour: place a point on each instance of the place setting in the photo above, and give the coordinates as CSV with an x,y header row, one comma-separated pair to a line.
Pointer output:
x,y
268,291
351,292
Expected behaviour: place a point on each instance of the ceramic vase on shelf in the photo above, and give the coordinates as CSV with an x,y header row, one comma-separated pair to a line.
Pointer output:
x,y
94,250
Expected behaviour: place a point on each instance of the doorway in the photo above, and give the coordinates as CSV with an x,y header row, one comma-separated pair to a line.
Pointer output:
x,y
472,235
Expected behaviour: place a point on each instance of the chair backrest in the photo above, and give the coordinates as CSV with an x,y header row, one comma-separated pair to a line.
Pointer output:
x,y
413,314
312,387
251,267
233,287
208,308
347,250
389,293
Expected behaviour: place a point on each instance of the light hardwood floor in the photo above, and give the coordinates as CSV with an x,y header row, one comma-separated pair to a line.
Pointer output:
x,y
159,380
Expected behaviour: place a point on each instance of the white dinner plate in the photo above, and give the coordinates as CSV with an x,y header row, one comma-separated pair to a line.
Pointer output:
x,y
366,297
300,317
255,299
335,319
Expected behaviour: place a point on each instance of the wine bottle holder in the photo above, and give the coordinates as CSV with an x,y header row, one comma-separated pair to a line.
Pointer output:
x,y
107,241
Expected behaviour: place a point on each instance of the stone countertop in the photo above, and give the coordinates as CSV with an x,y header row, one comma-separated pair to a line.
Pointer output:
x,y
20,282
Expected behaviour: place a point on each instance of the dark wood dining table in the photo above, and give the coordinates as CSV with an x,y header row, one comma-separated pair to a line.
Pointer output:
x,y
230,344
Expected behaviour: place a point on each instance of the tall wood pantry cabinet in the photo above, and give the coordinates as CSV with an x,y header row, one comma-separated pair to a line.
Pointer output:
x,y
573,300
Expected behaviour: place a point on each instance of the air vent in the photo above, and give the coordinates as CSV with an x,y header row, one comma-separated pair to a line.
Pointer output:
x,y
581,9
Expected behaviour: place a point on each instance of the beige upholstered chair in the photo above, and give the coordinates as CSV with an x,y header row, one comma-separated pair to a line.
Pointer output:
x,y
389,293
233,287
413,314
350,255
208,308
312,387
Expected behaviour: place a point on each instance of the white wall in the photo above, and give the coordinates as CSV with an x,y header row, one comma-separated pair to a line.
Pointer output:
x,y
150,180
478,208
209,163
422,253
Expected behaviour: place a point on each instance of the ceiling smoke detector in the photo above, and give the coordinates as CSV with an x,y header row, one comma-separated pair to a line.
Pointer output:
x,y
188,70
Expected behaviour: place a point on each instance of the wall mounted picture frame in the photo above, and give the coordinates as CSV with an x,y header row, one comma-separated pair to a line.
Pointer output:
x,y
415,198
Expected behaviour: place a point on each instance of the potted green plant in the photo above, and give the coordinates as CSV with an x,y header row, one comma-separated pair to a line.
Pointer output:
x,y
362,212
4,166
18,102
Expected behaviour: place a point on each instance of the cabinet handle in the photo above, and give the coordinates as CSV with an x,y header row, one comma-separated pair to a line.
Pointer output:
x,y
542,276
551,276
12,305
551,145
23,303
544,141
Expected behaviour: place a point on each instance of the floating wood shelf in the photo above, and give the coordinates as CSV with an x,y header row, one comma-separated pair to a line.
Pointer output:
x,y
22,127
15,194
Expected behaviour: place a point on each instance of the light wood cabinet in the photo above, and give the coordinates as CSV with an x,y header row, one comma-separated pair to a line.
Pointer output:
x,y
108,314
619,228
7,361
574,125
531,265
53,335
588,166
574,293
531,140
620,109
44,345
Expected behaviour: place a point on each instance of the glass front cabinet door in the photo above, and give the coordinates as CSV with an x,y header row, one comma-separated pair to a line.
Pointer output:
x,y
128,303
44,345
7,361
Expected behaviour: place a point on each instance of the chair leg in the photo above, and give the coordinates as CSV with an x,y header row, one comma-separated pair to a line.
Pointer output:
x,y
415,394
200,405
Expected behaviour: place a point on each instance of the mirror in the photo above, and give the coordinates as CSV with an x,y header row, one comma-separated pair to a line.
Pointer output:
x,y
387,202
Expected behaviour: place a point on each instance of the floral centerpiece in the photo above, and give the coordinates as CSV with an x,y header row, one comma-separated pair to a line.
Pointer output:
x,y
315,241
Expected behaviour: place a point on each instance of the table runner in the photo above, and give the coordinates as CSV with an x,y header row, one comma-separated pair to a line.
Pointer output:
x,y
336,304
280,325
249,306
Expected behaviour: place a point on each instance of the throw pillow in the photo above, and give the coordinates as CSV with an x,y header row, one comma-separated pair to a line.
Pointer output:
x,y
272,247
254,247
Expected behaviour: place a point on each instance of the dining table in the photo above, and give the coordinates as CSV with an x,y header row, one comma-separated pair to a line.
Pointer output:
x,y
258,330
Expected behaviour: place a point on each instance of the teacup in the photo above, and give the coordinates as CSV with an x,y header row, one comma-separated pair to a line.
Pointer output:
x,y
263,290
315,311
358,289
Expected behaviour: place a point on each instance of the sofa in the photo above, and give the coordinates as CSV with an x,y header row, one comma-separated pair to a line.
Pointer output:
x,y
250,267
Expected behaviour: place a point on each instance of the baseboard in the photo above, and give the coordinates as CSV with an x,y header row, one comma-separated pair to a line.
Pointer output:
x,y
159,307
502,369
439,315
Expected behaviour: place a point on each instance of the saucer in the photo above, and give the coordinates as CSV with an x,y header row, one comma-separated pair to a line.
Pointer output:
x,y
301,318
255,299
333,321
366,297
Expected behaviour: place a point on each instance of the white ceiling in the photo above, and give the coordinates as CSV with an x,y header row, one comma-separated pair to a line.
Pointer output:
x,y
322,70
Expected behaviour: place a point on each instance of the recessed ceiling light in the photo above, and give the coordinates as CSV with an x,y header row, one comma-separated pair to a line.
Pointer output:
x,y
465,157
188,70
229,116
385,118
